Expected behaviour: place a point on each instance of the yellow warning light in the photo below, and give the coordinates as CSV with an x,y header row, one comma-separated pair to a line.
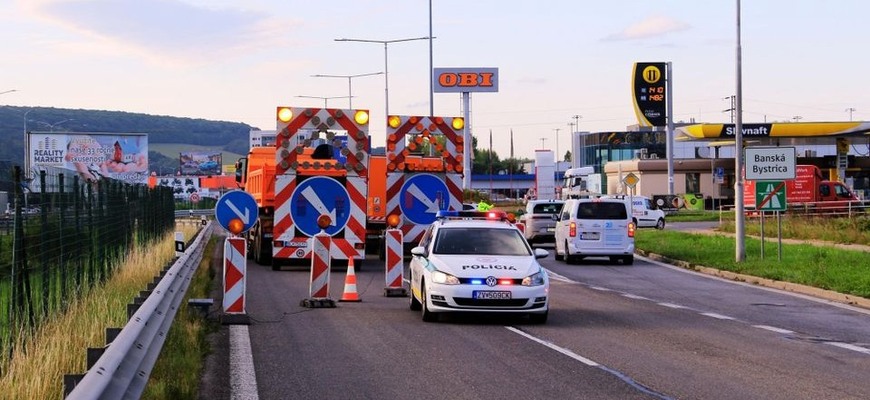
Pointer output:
x,y
361,117
394,121
393,220
285,114
235,226
323,221
458,123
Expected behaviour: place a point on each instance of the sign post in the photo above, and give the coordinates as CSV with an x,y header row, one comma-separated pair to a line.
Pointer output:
x,y
770,166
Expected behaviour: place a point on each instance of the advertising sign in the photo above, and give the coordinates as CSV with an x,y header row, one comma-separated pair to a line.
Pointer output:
x,y
648,93
462,80
121,156
200,162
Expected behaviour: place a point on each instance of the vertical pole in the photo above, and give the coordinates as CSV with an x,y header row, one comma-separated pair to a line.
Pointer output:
x,y
779,235
761,215
466,144
386,83
670,133
740,229
432,68
349,94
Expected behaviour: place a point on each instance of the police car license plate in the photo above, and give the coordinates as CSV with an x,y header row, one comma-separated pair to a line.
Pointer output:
x,y
490,295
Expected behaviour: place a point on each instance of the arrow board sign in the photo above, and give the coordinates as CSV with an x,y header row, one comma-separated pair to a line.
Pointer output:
x,y
236,204
316,196
421,197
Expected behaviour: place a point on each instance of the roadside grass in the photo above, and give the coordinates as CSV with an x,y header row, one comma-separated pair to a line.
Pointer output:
x,y
836,230
44,355
176,373
843,271
697,216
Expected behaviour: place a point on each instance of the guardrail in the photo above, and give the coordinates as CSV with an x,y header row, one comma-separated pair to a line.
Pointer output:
x,y
124,368
193,213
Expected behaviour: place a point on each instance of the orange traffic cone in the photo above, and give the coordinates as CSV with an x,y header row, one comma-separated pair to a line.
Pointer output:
x,y
350,293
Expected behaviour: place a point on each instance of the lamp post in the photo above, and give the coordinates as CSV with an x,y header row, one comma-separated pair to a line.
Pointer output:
x,y
581,143
50,126
325,99
9,91
386,62
349,78
557,148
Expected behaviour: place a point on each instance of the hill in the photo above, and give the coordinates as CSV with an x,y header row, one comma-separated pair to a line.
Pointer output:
x,y
167,136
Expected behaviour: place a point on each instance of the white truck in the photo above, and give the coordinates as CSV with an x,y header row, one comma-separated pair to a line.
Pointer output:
x,y
576,183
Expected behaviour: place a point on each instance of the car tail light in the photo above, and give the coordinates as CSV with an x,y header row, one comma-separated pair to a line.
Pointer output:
x,y
572,229
631,229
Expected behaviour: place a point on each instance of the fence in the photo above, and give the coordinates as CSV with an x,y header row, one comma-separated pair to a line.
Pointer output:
x,y
65,237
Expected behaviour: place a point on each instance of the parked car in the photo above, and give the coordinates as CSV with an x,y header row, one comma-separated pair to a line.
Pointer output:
x,y
643,213
600,227
540,226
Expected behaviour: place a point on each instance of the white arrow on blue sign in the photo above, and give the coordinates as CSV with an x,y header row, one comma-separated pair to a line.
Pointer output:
x,y
422,196
236,204
317,196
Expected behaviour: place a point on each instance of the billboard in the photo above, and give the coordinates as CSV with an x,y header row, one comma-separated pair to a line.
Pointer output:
x,y
200,162
121,156
648,93
459,80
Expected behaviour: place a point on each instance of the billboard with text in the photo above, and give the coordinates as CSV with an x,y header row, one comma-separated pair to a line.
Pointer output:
x,y
121,156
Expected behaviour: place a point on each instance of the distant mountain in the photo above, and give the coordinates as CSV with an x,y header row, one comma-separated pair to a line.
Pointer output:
x,y
227,136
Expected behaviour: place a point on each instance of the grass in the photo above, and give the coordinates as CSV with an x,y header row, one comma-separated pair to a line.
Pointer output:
x,y
695,216
44,355
834,230
825,267
177,372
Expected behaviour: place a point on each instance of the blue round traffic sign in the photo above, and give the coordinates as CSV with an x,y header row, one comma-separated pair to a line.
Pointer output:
x,y
422,196
317,196
236,204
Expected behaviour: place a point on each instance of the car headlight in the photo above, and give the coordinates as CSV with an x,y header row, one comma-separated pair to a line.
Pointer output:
x,y
536,279
443,278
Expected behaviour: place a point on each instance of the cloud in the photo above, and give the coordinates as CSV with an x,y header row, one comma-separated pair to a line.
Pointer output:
x,y
653,26
163,30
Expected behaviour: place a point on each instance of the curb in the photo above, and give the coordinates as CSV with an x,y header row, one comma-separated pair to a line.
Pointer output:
x,y
770,283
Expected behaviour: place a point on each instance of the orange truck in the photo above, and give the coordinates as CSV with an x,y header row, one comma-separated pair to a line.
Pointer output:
x,y
808,189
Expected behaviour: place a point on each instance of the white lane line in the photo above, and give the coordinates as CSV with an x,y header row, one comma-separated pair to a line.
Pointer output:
x,y
848,346
774,329
558,277
672,305
634,296
243,380
600,289
562,350
717,316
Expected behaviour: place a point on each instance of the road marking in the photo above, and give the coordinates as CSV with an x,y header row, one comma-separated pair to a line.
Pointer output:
x,y
600,289
634,296
717,316
774,329
584,360
850,347
558,277
243,380
671,305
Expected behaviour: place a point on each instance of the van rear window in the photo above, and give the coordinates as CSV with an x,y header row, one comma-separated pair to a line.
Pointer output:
x,y
602,210
547,208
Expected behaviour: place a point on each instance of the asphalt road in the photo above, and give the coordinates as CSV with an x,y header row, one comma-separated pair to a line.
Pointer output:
x,y
615,332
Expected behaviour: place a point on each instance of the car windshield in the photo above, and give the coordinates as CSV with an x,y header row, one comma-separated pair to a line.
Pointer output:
x,y
601,210
547,208
483,241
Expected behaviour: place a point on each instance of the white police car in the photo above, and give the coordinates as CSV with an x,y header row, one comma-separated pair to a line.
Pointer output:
x,y
473,261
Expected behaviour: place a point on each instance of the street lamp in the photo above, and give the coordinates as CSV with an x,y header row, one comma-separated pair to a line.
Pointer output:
x,y
325,99
349,78
51,126
386,69
9,91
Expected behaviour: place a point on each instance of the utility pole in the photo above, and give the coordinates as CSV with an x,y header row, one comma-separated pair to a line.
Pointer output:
x,y
543,139
733,99
850,110
557,148
581,142
797,118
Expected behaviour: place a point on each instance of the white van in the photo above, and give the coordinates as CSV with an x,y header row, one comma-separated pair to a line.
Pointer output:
x,y
599,227
642,211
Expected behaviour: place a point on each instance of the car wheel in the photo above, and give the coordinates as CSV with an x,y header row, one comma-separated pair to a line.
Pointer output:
x,y
414,304
634,221
660,224
427,315
539,318
568,257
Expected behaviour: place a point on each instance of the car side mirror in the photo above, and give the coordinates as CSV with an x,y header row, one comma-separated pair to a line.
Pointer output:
x,y
419,251
541,253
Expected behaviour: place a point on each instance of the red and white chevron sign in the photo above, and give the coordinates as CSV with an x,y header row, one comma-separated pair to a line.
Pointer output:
x,y
234,275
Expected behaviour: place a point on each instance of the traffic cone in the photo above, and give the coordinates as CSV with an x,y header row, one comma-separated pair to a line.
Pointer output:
x,y
350,293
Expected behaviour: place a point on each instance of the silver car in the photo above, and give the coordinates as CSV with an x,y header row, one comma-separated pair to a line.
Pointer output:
x,y
539,221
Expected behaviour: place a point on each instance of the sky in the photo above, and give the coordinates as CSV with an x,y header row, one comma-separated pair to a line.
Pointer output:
x,y
237,61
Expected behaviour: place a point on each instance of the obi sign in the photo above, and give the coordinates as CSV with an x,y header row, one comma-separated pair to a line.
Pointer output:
x,y
770,163
459,80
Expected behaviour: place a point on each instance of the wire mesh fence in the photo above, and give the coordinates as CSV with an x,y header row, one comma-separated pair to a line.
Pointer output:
x,y
61,236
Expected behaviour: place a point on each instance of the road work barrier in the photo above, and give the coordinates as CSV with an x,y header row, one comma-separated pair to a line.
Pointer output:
x,y
123,369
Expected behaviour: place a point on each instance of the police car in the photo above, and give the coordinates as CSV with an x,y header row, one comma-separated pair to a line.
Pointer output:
x,y
473,261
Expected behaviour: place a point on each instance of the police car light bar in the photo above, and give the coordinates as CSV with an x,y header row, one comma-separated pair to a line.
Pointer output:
x,y
494,215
